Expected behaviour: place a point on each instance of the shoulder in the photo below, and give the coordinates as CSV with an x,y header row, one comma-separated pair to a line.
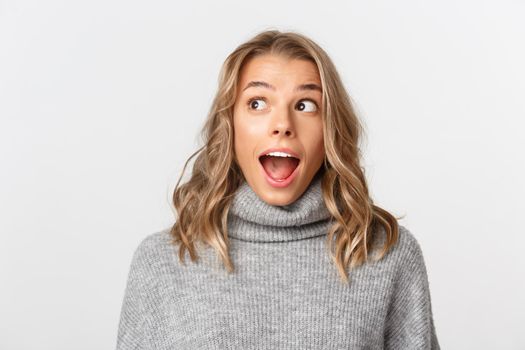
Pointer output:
x,y
157,253
152,250
153,241
411,267
406,253
408,245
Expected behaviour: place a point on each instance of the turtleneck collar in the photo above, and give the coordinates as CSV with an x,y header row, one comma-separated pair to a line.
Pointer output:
x,y
252,219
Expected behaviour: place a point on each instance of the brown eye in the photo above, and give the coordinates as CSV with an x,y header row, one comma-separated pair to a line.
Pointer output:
x,y
256,102
307,106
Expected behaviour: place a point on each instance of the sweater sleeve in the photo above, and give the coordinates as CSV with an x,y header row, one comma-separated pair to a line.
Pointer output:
x,y
136,306
410,323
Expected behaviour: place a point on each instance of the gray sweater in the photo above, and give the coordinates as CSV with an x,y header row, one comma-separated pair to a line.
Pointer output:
x,y
285,292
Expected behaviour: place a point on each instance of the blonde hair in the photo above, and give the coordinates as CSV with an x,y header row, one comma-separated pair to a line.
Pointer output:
x,y
204,200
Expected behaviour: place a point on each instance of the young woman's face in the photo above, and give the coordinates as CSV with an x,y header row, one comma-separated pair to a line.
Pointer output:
x,y
278,106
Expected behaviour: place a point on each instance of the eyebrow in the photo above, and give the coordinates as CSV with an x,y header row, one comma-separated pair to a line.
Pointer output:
x,y
302,87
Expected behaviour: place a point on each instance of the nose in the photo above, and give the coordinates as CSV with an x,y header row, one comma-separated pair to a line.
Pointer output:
x,y
282,124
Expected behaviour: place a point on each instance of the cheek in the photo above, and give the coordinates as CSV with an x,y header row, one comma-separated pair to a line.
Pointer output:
x,y
244,137
319,148
314,142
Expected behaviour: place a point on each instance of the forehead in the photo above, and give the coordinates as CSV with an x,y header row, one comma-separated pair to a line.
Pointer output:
x,y
279,70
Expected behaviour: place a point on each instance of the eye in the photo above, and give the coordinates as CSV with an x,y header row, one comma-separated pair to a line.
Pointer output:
x,y
302,106
256,102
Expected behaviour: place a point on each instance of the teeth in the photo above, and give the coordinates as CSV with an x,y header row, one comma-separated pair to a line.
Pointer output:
x,y
279,154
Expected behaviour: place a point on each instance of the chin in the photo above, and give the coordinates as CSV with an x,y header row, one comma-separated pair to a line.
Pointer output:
x,y
278,199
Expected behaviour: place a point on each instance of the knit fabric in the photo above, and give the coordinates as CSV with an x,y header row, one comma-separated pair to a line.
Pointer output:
x,y
285,292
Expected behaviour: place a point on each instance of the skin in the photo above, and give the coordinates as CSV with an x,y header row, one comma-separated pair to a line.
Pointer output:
x,y
282,118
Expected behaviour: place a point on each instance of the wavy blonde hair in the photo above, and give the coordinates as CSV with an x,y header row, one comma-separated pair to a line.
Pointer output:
x,y
203,202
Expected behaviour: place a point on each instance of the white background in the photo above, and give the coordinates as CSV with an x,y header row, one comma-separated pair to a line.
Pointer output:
x,y
101,102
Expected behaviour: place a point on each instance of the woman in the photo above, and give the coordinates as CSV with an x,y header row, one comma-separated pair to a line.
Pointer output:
x,y
287,249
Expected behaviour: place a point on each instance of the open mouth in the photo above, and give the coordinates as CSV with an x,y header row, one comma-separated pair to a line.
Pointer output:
x,y
277,167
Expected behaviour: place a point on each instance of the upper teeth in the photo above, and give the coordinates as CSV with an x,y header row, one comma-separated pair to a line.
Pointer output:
x,y
279,154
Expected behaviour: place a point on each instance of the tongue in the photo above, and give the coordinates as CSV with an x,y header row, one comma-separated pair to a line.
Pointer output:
x,y
279,167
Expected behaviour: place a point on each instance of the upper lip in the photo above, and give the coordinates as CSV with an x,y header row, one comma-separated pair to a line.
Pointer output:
x,y
280,149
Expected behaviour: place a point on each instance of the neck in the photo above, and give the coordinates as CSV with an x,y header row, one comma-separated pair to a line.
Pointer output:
x,y
252,219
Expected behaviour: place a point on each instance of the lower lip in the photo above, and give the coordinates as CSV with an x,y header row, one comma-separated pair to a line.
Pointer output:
x,y
281,183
